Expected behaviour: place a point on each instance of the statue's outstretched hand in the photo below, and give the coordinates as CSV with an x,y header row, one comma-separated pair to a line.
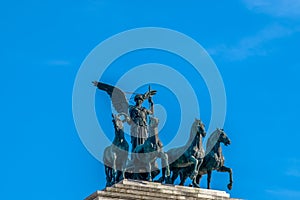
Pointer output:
x,y
95,83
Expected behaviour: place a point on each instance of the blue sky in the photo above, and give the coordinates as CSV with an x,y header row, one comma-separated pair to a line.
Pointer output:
x,y
254,44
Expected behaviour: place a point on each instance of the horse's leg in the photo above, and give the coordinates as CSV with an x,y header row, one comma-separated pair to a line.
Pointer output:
x,y
121,158
114,167
195,171
108,175
200,161
174,175
154,170
183,176
166,169
148,169
118,175
208,178
118,172
194,161
198,177
229,170
124,167
163,174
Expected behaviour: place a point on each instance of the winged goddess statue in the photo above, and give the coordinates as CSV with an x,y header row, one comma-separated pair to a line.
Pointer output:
x,y
137,113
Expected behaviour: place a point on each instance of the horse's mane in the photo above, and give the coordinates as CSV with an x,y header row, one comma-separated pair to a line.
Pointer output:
x,y
193,132
212,140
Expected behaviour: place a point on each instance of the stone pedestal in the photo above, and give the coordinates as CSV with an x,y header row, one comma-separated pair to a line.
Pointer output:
x,y
133,189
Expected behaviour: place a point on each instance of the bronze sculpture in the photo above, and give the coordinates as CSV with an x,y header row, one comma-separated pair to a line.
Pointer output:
x,y
189,155
138,114
214,160
145,155
139,131
115,156
187,161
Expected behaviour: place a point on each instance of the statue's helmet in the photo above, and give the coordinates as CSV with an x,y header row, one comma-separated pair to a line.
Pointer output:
x,y
138,97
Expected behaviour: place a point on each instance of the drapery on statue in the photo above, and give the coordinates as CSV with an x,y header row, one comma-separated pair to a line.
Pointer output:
x,y
138,114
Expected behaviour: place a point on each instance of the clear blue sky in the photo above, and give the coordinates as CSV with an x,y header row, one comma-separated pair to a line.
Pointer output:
x,y
254,43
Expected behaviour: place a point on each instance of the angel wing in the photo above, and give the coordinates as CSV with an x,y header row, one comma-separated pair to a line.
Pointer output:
x,y
117,96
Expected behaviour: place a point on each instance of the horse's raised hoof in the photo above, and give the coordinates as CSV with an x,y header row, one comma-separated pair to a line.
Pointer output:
x,y
229,186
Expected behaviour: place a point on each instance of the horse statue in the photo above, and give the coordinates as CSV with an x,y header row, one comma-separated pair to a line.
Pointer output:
x,y
191,154
144,156
214,160
115,156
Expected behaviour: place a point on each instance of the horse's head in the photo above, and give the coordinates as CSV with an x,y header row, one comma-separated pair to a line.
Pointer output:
x,y
199,127
118,122
223,138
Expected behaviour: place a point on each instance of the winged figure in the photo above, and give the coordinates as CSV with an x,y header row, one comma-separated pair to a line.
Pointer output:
x,y
138,114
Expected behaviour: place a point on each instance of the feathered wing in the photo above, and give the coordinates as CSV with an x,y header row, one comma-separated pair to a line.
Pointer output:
x,y
117,96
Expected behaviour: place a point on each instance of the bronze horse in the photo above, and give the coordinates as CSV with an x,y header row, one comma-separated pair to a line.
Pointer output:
x,y
144,156
116,155
214,160
191,154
